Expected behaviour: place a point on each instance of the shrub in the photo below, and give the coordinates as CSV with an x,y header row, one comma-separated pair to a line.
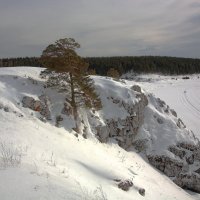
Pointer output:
x,y
9,155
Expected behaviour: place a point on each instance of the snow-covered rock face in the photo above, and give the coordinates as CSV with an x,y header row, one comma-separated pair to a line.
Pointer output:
x,y
130,116
171,167
184,168
124,130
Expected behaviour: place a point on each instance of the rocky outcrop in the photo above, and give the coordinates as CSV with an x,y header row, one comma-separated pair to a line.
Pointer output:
x,y
40,105
190,181
184,168
187,146
140,144
29,102
168,166
124,130
177,151
182,161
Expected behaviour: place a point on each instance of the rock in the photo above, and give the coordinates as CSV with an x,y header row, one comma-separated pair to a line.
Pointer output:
x,y
185,170
43,119
45,73
140,145
185,77
180,123
6,109
125,185
168,166
136,88
84,135
190,147
29,102
116,101
173,112
190,159
160,121
38,106
189,181
102,133
141,191
196,154
161,103
177,151
197,171
124,130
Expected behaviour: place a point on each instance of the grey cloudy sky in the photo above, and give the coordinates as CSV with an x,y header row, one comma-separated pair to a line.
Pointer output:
x,y
102,27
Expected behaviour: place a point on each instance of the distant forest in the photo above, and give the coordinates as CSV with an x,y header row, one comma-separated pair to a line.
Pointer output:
x,y
139,64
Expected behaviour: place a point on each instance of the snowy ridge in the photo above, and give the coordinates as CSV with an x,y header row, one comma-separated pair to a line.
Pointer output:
x,y
51,163
160,126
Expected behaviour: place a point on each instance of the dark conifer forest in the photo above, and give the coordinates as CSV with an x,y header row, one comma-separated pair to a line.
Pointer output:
x,y
137,64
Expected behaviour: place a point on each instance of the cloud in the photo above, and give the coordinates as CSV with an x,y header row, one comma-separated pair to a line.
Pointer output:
x,y
104,28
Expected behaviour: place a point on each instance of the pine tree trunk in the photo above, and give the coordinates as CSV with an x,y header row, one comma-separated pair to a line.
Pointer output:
x,y
73,104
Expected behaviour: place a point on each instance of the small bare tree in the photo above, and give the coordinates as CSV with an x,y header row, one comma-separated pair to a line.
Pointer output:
x,y
113,73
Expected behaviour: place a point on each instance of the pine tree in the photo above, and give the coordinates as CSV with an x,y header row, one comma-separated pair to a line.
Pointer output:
x,y
62,58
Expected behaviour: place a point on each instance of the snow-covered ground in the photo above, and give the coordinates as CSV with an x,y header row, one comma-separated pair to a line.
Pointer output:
x,y
183,95
41,161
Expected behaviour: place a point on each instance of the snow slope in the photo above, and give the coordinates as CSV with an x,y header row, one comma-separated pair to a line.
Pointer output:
x,y
41,161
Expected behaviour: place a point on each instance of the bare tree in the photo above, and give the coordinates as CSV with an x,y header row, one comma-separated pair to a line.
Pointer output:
x,y
113,73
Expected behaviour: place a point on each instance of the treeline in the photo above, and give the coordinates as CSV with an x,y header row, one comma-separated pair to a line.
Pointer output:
x,y
140,64
145,64
21,61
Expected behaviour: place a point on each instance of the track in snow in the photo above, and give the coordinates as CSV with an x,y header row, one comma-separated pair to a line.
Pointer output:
x,y
189,100
183,96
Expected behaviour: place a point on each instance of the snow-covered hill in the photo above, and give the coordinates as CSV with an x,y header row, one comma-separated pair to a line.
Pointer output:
x,y
41,161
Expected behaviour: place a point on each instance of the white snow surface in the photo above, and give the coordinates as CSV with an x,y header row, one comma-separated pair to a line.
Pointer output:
x,y
50,163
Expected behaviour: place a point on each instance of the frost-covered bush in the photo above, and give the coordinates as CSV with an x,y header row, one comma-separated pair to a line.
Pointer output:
x,y
9,155
97,194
